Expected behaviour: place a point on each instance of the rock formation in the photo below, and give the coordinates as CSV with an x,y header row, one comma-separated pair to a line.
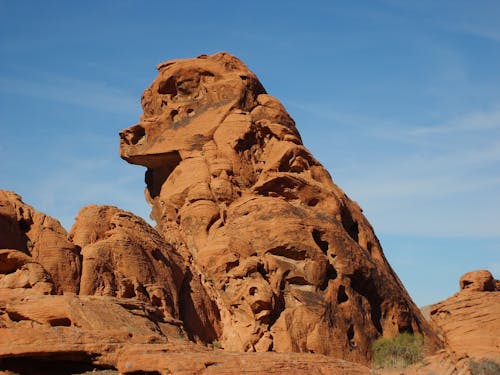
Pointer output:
x,y
40,237
255,250
289,259
469,321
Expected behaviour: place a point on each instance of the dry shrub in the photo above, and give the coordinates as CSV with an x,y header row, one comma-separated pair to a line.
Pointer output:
x,y
398,352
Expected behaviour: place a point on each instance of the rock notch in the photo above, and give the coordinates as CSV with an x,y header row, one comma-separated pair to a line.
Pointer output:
x,y
290,261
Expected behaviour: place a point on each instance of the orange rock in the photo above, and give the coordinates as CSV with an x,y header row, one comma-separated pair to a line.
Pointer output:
x,y
290,261
123,256
469,321
43,238
168,359
17,270
480,281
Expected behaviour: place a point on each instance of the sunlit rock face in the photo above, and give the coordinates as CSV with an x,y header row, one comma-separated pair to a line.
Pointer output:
x,y
290,261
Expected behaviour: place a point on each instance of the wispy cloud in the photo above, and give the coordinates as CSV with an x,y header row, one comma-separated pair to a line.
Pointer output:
x,y
418,176
470,122
88,94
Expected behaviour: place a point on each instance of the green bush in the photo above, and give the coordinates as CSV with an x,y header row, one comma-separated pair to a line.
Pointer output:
x,y
398,352
484,367
216,344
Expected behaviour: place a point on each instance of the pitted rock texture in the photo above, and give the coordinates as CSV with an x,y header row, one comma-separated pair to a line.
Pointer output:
x,y
289,259
479,281
43,239
123,256
469,321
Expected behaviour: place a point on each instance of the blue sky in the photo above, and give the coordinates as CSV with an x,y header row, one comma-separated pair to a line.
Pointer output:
x,y
400,100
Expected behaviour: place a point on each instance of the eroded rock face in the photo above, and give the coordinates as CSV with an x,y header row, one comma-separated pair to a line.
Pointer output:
x,y
469,321
122,256
479,281
42,238
289,259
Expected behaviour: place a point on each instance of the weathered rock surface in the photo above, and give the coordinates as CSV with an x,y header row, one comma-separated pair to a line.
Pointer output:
x,y
123,256
42,238
256,250
289,259
469,321
178,359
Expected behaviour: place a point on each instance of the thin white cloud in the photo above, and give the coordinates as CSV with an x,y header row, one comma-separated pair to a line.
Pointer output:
x,y
470,122
421,180
88,94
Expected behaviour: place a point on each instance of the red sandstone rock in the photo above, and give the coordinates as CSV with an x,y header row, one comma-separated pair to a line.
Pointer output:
x,y
165,359
17,270
123,256
289,259
480,281
41,237
469,321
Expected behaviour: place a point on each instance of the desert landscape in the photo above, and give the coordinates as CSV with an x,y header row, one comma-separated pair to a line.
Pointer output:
x,y
258,262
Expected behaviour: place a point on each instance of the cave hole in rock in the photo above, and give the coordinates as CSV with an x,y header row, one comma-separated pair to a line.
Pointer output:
x,y
60,322
128,289
157,175
158,255
71,363
342,295
155,301
366,286
466,283
284,186
132,135
168,87
318,238
350,332
288,252
350,336
173,114
298,280
313,202
350,225
331,274
16,317
24,225
279,307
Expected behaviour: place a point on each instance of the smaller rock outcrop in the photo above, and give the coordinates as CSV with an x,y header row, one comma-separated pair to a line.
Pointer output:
x,y
478,281
123,256
469,321
42,238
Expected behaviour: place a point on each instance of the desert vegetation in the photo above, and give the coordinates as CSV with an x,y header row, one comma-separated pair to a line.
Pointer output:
x,y
398,352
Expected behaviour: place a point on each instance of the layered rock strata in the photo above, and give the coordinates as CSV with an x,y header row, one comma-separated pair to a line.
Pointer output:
x,y
469,321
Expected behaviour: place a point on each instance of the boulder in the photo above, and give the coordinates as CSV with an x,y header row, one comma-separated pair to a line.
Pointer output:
x,y
480,281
